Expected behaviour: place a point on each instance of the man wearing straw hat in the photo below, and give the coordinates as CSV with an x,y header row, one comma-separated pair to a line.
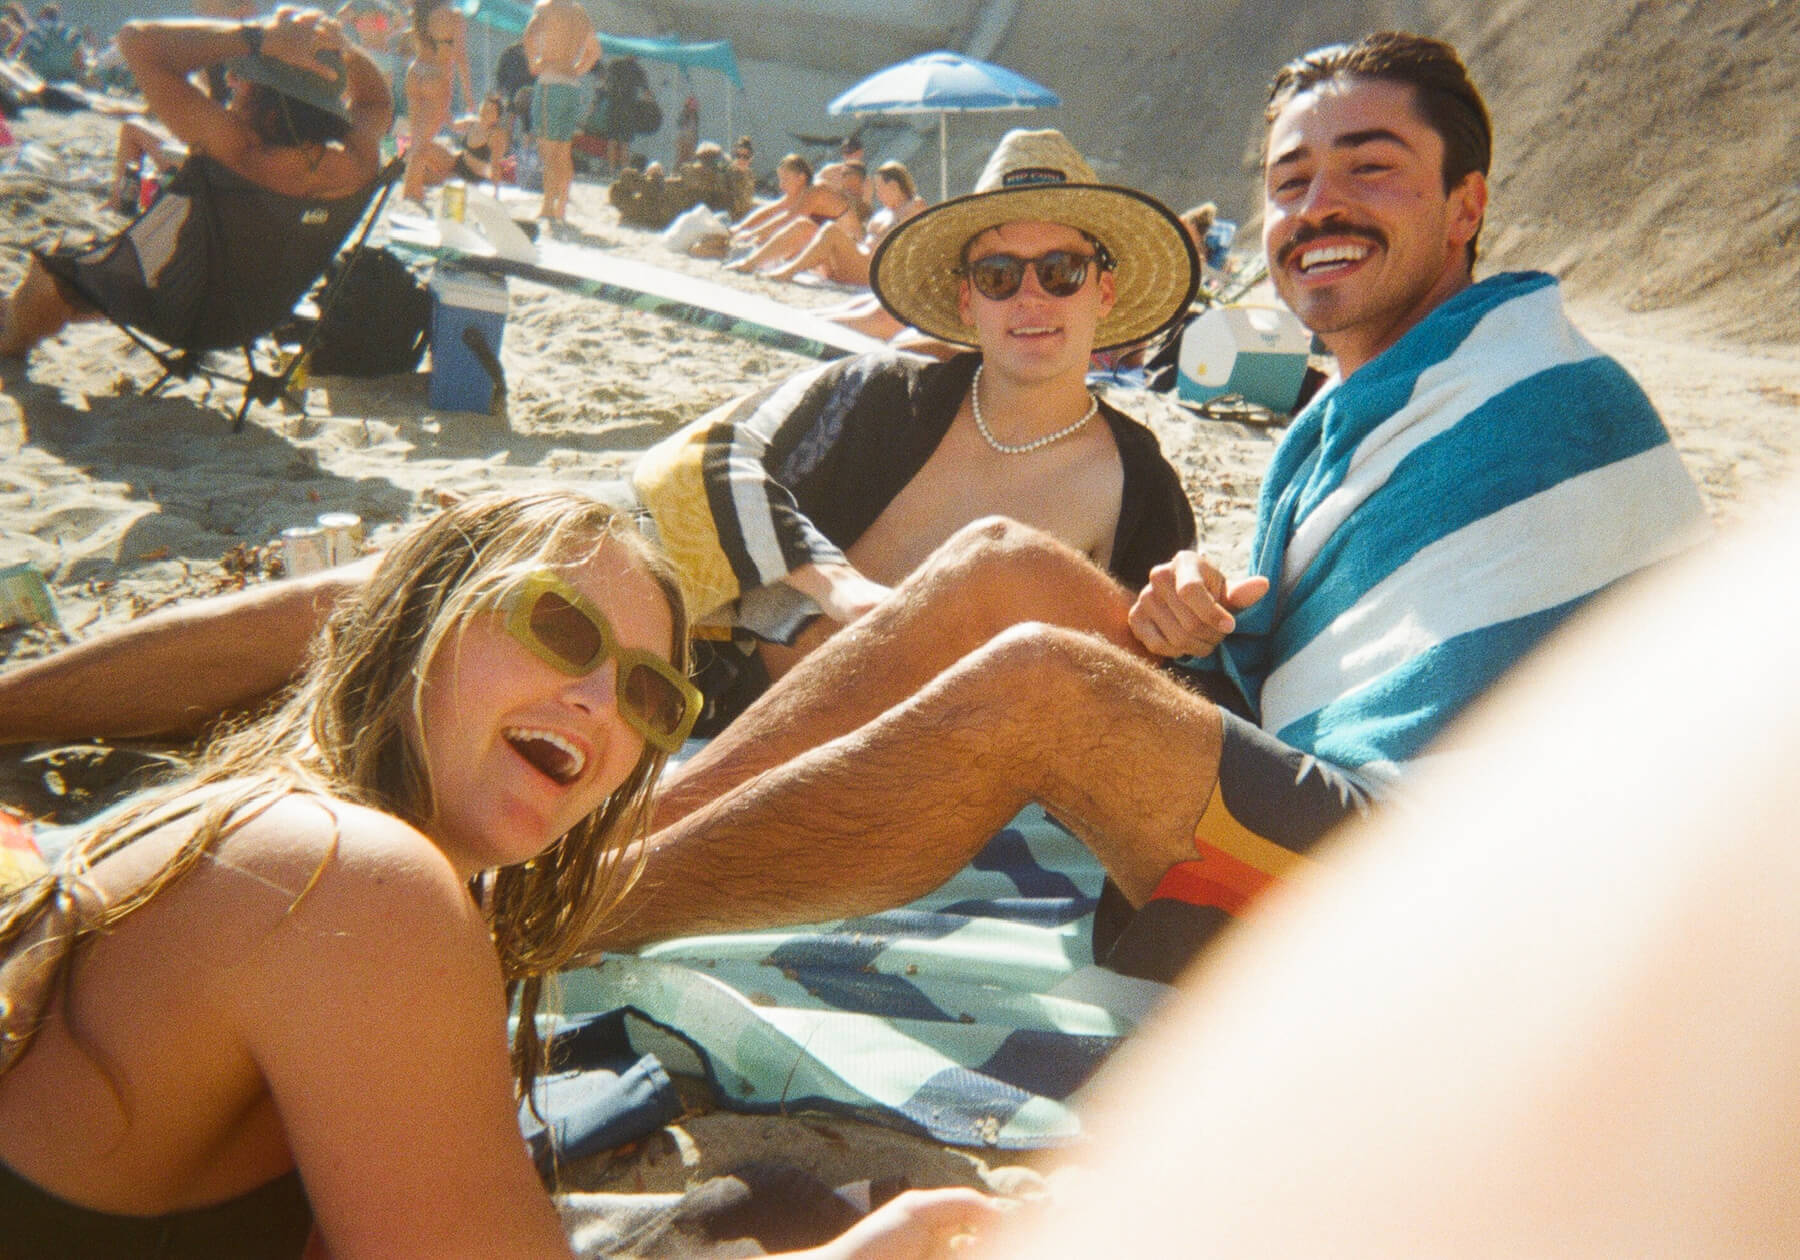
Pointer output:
x,y
794,512
818,496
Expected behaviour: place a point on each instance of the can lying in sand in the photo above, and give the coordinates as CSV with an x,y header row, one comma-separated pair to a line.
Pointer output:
x,y
305,549
344,536
24,599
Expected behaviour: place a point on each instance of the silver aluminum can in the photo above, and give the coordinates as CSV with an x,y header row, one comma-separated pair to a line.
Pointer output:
x,y
24,599
344,535
305,549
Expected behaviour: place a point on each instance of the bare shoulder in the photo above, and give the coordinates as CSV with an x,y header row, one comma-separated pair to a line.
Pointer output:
x,y
340,858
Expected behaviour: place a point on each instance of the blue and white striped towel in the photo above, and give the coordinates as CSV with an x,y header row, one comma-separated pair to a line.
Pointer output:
x,y
1424,524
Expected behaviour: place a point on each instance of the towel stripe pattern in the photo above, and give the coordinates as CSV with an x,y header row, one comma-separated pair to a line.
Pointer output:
x,y
1427,521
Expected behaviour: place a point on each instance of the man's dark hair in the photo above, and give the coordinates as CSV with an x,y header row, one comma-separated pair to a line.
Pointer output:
x,y
1445,98
283,122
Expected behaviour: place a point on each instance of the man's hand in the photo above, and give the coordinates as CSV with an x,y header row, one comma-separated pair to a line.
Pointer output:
x,y
842,593
1186,610
297,36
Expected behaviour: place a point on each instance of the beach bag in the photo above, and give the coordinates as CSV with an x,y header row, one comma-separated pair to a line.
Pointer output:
x,y
380,322
693,226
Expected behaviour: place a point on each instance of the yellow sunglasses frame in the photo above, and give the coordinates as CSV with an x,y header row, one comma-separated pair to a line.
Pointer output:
x,y
517,605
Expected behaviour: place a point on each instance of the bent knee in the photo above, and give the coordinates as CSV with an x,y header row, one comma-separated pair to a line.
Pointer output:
x,y
1005,572
1043,661
999,546
1038,675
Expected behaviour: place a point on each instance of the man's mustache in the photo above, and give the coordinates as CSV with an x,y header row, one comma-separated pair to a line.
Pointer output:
x,y
1307,235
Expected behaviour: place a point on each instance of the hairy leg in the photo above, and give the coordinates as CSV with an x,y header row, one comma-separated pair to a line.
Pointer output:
x,y
886,812
988,576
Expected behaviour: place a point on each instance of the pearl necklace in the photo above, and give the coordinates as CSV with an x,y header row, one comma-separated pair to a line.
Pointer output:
x,y
1020,449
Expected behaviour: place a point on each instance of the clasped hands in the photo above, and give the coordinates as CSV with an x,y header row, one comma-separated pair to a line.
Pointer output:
x,y
1187,607
297,36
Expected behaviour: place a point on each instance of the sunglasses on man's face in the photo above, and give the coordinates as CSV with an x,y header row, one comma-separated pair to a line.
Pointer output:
x,y
562,627
997,277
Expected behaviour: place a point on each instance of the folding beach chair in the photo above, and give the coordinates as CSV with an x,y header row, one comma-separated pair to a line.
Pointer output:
x,y
218,263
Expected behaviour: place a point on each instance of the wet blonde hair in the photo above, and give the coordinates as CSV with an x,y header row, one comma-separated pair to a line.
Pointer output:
x,y
348,729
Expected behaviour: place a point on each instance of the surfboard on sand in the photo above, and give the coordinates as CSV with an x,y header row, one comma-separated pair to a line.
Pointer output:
x,y
595,273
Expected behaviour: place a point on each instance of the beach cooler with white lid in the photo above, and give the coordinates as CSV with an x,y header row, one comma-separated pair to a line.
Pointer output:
x,y
1256,352
464,305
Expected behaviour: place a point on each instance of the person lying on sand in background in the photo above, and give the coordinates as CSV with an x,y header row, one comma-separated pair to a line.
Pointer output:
x,y
829,489
320,138
268,1002
843,258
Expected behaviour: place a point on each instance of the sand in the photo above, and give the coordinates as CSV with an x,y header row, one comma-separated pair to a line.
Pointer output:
x,y
127,502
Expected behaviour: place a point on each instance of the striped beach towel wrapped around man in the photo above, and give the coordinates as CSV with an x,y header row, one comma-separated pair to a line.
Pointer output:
x,y
1425,523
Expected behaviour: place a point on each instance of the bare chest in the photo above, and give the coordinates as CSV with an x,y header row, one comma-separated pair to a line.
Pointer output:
x,y
1070,490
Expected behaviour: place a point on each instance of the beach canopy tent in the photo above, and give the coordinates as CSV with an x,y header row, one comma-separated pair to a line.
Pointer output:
x,y
511,16
943,83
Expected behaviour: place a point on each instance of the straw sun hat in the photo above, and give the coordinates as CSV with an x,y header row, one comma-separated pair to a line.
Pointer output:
x,y
1038,176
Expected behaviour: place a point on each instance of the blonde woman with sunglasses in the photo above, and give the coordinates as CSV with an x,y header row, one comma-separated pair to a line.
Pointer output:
x,y
266,1004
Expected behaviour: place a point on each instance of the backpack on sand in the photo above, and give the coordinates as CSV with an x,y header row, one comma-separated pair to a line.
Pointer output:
x,y
378,325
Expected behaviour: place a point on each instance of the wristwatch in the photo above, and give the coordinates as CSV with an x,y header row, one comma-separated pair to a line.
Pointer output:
x,y
252,35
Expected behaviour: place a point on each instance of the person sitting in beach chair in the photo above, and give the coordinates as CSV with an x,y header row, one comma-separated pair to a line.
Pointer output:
x,y
276,178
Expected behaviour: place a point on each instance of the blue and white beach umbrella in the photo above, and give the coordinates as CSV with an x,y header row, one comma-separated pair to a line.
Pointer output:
x,y
941,83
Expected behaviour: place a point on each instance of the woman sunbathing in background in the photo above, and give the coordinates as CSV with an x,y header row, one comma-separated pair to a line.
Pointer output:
x,y
843,258
823,202
793,177
481,144
268,1002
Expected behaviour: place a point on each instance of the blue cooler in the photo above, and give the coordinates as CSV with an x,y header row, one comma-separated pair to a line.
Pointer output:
x,y
1256,352
464,305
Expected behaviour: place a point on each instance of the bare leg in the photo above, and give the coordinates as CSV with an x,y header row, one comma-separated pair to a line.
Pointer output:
x,y
787,242
867,316
174,671
559,174
833,253
988,576
428,107
40,307
879,816
137,140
